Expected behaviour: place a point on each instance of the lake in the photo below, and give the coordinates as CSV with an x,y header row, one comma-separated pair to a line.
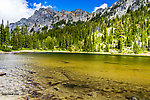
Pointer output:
x,y
74,76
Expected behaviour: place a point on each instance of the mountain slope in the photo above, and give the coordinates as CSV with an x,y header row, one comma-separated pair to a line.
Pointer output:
x,y
48,17
121,7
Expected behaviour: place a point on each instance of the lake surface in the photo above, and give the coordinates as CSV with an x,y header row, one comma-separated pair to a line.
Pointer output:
x,y
77,76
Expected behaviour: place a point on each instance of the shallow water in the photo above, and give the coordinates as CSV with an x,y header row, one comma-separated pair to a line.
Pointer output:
x,y
125,68
32,72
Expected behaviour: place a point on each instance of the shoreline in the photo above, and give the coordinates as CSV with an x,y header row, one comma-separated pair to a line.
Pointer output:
x,y
60,82
76,52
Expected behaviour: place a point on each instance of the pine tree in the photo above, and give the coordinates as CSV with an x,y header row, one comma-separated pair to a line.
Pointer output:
x,y
28,41
35,41
136,48
7,36
2,33
14,42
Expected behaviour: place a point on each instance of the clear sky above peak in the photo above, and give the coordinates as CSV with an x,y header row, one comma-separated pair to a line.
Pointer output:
x,y
69,5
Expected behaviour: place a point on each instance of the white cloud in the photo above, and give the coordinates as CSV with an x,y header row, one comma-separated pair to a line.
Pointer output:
x,y
38,6
102,6
14,10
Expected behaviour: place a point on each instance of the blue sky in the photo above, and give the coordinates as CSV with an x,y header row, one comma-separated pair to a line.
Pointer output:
x,y
69,5
14,10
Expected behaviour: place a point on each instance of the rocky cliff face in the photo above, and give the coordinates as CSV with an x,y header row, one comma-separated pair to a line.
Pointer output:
x,y
121,7
48,17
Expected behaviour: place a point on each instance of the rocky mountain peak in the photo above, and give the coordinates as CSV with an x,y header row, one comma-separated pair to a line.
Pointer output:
x,y
78,10
48,17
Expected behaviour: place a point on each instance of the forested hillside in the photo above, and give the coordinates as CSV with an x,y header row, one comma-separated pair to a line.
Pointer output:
x,y
127,34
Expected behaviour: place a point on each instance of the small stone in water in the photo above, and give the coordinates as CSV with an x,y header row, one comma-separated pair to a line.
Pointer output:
x,y
31,72
66,62
36,84
131,98
56,89
2,73
50,83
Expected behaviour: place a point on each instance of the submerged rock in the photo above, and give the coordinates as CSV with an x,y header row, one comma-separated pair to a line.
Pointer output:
x,y
31,72
36,84
66,62
56,89
36,94
70,85
2,73
50,83
131,98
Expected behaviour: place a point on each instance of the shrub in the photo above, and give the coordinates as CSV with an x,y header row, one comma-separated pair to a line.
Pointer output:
x,y
6,48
